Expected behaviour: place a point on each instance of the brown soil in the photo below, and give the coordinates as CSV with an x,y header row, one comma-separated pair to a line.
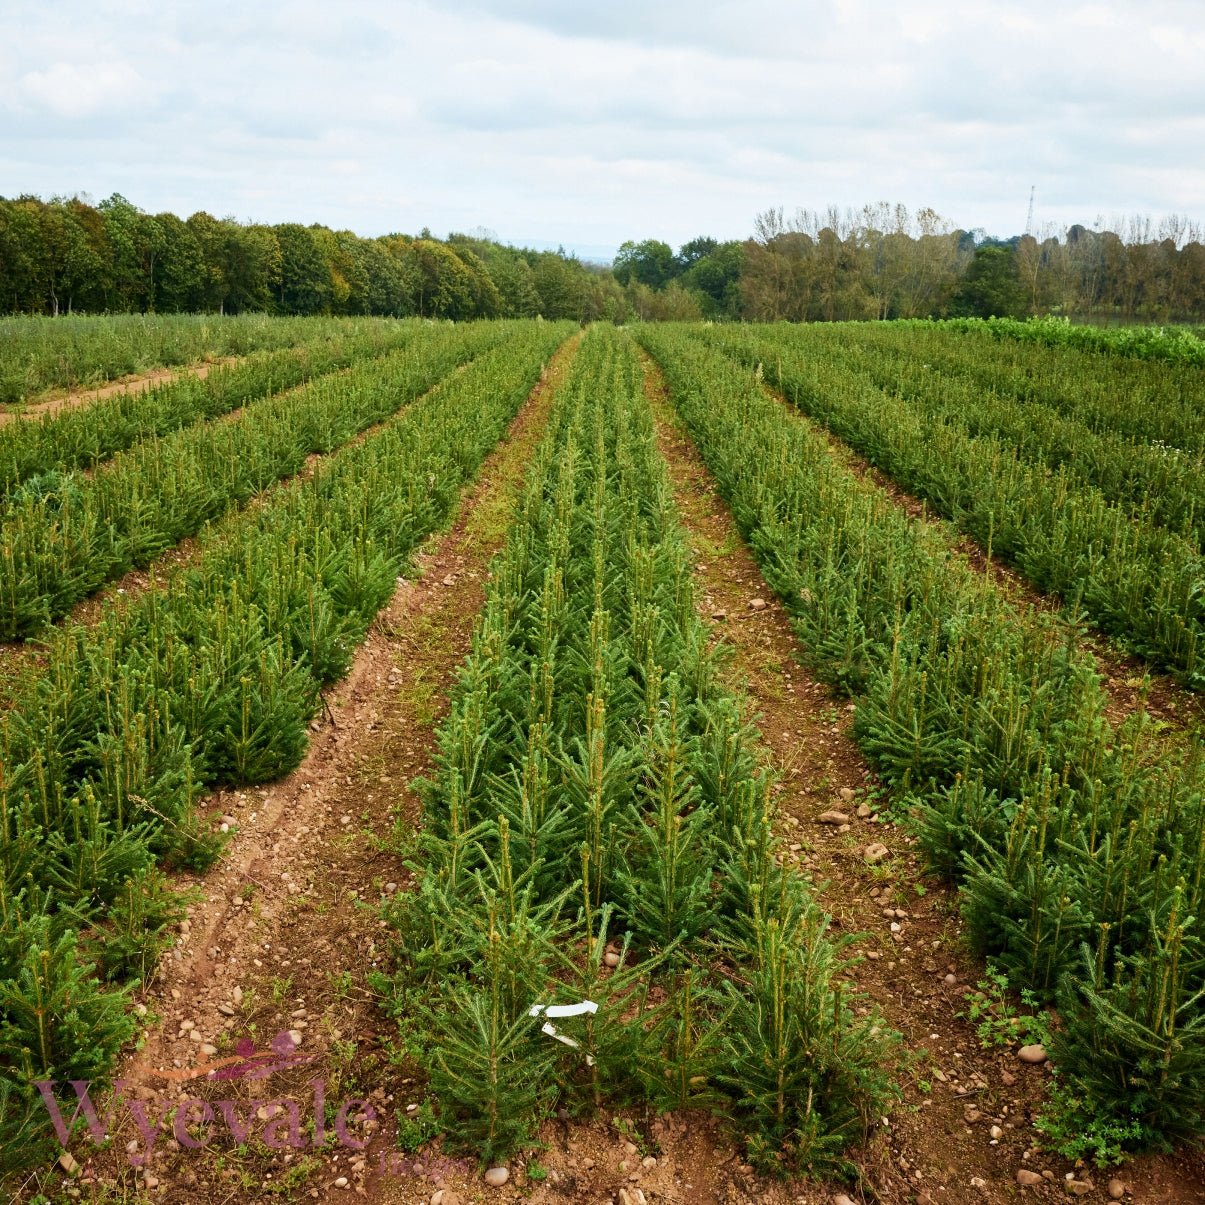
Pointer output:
x,y
135,383
807,730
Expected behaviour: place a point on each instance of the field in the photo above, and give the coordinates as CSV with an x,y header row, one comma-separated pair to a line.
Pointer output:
x,y
674,762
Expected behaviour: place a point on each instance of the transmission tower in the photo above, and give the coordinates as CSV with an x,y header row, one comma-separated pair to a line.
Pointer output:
x,y
1029,215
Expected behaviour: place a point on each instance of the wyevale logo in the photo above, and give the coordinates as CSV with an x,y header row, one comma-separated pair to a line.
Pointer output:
x,y
196,1124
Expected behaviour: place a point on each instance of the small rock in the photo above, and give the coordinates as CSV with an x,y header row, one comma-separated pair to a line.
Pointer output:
x,y
587,1163
496,1176
1032,1054
445,1196
341,1182
68,1164
450,580
390,888
1080,1188
978,1182
833,817
208,1049
1007,1078
970,1114
996,1132
757,604
847,794
1027,1178
237,996
950,979
863,811
719,615
842,1199
296,1035
611,958
923,1198
1116,1189
151,1181
196,1036
648,1163
876,851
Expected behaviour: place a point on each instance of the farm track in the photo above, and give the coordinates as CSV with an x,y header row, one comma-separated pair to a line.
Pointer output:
x,y
378,734
134,383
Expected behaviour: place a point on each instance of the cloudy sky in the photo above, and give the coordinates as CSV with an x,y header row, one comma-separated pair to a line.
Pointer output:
x,y
589,124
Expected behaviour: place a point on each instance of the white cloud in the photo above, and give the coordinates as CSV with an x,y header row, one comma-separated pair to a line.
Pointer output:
x,y
81,89
591,124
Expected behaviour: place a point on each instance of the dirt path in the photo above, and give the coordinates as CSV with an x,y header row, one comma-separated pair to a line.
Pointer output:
x,y
135,383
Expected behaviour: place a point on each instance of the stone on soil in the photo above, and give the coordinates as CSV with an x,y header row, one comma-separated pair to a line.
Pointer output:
x,y
1027,1178
833,817
1032,1054
1117,1189
876,851
496,1176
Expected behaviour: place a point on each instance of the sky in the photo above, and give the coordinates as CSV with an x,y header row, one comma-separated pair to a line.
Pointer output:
x,y
588,124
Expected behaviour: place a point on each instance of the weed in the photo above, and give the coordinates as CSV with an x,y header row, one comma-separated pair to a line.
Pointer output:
x,y
993,1016
414,1129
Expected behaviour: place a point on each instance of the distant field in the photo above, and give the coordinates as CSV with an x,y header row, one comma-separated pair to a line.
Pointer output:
x,y
38,355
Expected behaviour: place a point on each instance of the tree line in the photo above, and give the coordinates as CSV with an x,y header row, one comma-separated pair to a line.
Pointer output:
x,y
879,262
65,255
884,262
